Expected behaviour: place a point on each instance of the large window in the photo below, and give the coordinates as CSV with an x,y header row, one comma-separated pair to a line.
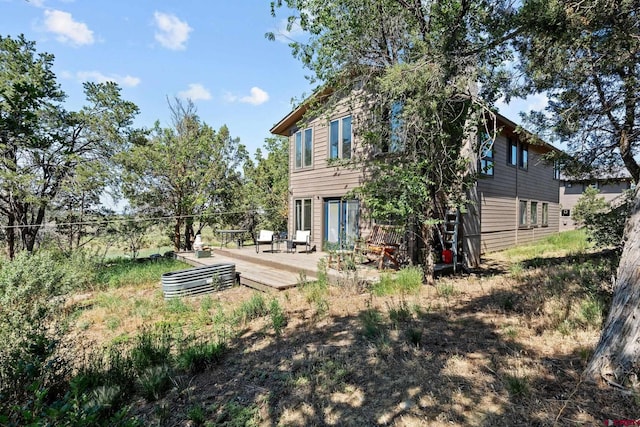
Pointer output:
x,y
340,138
545,214
523,213
304,148
486,155
534,213
523,161
512,152
303,214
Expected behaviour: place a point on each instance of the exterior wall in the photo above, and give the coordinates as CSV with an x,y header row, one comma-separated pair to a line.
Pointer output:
x,y
319,181
501,193
571,191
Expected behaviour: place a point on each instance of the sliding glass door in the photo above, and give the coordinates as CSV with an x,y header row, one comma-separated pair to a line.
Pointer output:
x,y
341,222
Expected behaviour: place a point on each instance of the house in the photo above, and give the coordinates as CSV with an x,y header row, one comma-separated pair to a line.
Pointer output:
x,y
517,192
610,185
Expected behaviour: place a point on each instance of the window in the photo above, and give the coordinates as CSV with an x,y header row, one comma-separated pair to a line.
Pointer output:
x,y
523,161
523,213
486,155
545,214
557,168
304,148
340,138
534,213
394,115
303,214
512,153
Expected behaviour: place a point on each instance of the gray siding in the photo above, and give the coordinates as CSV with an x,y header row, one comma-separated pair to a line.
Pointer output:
x,y
501,193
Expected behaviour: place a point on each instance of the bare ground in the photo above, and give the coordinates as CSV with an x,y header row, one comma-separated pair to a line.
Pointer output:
x,y
491,348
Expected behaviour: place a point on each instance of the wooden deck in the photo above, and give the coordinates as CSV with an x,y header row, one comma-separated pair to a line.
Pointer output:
x,y
273,271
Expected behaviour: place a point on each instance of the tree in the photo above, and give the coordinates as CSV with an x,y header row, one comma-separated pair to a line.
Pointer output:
x,y
586,56
187,171
267,186
41,144
412,68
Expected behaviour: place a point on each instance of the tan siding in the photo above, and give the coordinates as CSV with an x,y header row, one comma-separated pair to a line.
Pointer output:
x,y
500,195
319,181
570,193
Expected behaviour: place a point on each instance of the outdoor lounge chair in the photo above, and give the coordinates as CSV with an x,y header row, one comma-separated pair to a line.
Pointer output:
x,y
383,244
302,237
264,238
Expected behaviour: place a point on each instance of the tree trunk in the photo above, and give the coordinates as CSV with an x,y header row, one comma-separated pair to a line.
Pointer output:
x,y
188,234
176,234
617,355
11,237
428,264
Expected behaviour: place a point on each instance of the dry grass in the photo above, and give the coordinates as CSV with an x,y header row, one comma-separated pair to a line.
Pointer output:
x,y
498,347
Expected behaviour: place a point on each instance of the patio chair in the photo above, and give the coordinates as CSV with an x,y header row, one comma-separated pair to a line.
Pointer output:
x,y
302,237
265,238
383,244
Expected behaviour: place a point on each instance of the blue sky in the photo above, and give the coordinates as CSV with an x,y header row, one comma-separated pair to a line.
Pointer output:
x,y
213,52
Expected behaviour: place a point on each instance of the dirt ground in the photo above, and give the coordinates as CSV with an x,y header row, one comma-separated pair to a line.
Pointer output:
x,y
480,349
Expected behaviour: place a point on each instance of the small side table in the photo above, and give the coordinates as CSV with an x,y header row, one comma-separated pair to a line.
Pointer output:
x,y
290,245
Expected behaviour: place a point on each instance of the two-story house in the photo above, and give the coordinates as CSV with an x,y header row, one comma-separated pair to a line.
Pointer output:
x,y
517,192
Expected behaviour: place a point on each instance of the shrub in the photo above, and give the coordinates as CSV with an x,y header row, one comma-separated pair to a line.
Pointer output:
x,y
604,223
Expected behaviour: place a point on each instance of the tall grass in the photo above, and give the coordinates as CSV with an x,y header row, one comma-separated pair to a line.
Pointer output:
x,y
560,244
120,272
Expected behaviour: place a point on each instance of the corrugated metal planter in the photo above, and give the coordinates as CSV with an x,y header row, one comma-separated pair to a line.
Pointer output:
x,y
199,280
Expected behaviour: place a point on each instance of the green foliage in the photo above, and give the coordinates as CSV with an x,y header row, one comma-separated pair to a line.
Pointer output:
x,y
251,309
372,324
122,271
154,381
517,385
187,169
407,280
588,204
278,318
197,357
233,414
606,227
267,187
47,151
585,57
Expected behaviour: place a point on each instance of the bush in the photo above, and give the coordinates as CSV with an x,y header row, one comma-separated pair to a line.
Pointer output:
x,y
604,223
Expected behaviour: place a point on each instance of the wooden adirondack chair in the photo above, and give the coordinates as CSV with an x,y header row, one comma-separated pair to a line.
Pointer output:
x,y
383,244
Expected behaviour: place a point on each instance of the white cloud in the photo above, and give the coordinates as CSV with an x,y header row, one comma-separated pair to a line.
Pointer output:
x,y
172,32
67,30
36,3
195,92
97,76
257,97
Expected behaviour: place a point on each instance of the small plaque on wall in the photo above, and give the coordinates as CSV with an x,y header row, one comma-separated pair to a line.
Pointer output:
x,y
566,212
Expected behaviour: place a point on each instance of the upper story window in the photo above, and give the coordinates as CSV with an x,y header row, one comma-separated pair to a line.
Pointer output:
x,y
557,169
486,155
340,138
523,160
304,148
512,152
393,141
